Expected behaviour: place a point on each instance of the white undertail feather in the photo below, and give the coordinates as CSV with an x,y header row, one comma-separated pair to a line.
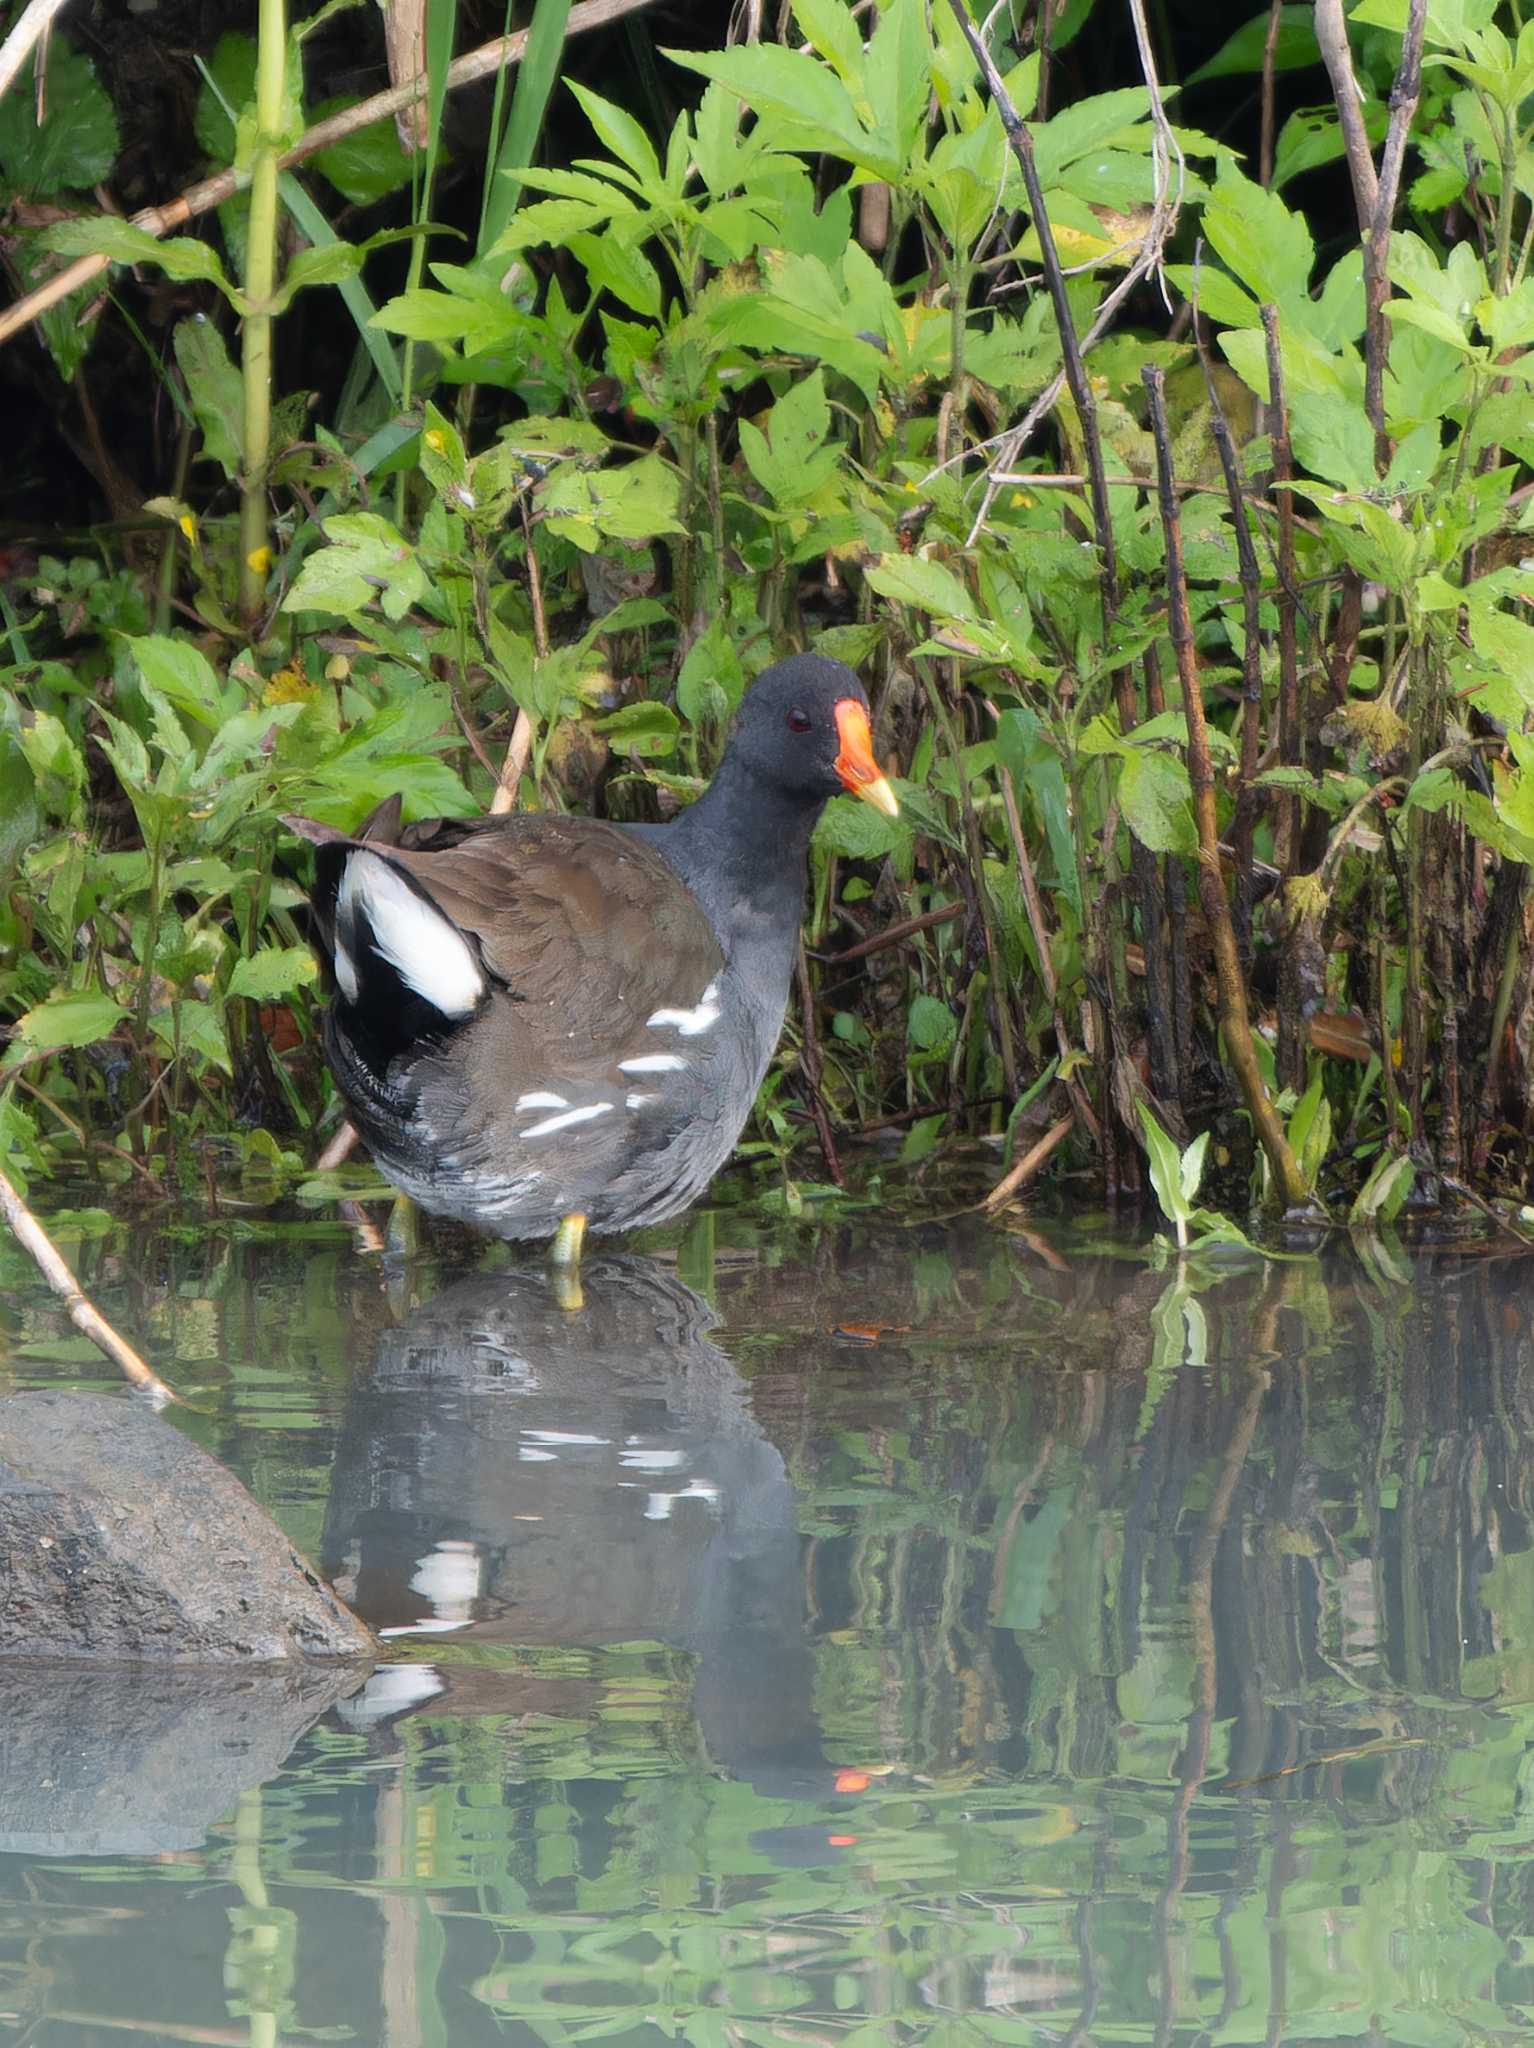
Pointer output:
x,y
425,948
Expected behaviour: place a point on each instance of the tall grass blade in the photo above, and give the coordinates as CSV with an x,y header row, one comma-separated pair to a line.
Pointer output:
x,y
536,77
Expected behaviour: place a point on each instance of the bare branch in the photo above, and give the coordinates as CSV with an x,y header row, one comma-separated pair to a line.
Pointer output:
x,y
1332,35
85,1316
212,192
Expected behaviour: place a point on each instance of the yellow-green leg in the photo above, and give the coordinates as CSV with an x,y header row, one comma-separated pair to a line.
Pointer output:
x,y
565,1260
403,1234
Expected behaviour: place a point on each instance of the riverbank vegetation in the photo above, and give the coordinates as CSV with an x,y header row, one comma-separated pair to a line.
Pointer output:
x,y
1143,408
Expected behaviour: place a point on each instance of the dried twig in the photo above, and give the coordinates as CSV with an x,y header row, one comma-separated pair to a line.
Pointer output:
x,y
1269,65
338,1151
810,1053
31,29
1163,219
85,1316
1404,94
1332,35
1250,576
1030,1165
212,192
1288,576
1234,1019
521,745
894,933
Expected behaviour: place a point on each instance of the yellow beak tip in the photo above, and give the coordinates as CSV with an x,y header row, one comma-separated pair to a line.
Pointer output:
x,y
881,796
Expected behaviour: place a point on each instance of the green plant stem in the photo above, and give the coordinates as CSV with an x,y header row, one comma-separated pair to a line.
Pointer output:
x,y
260,284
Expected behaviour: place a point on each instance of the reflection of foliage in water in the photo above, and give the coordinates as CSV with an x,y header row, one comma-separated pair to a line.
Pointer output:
x,y
1204,1716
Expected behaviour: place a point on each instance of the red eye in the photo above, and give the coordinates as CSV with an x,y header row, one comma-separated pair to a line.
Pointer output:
x,y
799,721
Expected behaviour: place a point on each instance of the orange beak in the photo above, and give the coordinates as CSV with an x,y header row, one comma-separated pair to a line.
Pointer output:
x,y
855,764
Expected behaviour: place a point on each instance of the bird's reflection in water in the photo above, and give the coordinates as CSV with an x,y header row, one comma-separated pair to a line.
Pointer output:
x,y
540,1477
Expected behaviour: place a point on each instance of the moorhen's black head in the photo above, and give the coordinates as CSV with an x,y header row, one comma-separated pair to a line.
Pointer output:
x,y
803,728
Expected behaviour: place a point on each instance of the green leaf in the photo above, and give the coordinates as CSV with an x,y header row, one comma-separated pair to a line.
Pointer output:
x,y
921,1139
812,106
1165,1167
931,1025
1191,1167
19,819
213,386
1155,797
181,256
368,562
73,1018
197,1027
635,503
623,136
856,830
1382,1194
273,971
911,579
646,728
1312,136
794,464
1295,49
711,681
616,266
76,145
829,27
182,673
366,165
229,82
329,263
1265,245
1333,439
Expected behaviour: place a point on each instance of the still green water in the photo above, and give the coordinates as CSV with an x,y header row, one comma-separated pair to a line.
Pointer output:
x,y
873,1636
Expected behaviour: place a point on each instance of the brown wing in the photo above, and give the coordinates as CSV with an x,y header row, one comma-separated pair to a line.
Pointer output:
x,y
567,910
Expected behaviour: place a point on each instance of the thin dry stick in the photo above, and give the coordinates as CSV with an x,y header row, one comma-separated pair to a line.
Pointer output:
x,y
1269,65
1404,94
894,933
338,1150
1288,576
1164,210
812,1071
87,1318
521,745
1332,35
1030,1165
212,192
1234,1020
30,30
1250,576
1035,909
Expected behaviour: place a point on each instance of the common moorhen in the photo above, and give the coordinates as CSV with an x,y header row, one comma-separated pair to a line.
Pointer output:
x,y
543,1023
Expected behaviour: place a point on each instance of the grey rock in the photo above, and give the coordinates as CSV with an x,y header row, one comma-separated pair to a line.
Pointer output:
x,y
122,1541
118,1762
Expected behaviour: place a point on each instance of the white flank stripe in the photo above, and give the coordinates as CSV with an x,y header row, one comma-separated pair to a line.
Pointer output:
x,y
636,1101
689,1022
653,1063
568,1117
346,974
541,1099
429,952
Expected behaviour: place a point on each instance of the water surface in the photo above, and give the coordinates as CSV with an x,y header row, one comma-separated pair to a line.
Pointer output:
x,y
872,1636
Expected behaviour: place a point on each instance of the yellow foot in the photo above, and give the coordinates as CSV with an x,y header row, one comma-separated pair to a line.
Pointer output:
x,y
403,1233
568,1239
565,1261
